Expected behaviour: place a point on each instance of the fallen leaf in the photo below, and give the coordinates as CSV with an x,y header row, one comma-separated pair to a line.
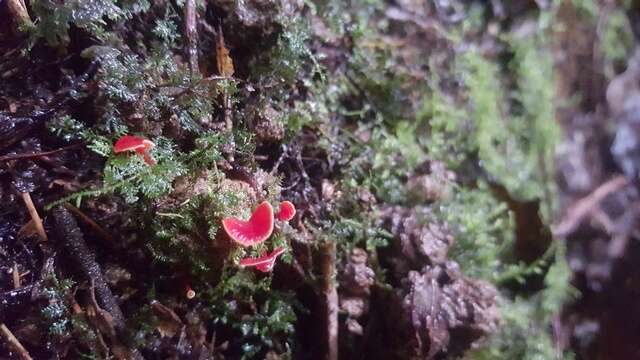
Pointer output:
x,y
169,323
28,230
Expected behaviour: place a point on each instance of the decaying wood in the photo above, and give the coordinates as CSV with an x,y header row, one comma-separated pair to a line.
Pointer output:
x,y
330,294
14,342
37,221
72,240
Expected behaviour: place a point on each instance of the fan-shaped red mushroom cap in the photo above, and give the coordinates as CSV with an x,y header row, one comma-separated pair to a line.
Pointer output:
x,y
254,231
132,143
137,144
263,263
287,211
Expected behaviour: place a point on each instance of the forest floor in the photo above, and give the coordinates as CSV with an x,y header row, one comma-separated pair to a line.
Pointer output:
x,y
464,175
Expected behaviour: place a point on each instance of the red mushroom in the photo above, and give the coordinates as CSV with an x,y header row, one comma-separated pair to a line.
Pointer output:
x,y
137,144
254,231
189,293
263,263
287,211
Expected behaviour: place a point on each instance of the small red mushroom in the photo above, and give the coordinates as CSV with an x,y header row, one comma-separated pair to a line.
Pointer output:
x,y
254,231
137,144
263,263
189,293
287,211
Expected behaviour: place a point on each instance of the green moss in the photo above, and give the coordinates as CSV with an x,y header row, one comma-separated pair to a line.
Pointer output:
x,y
495,125
269,327
587,8
448,139
524,333
483,229
53,19
58,319
617,40
497,136
536,100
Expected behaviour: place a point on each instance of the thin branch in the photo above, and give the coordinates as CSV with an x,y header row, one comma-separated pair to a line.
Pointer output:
x,y
584,206
330,294
38,154
16,276
191,33
89,221
37,221
14,342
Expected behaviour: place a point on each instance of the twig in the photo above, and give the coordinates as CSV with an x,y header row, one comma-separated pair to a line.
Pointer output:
x,y
584,206
89,221
275,167
16,276
37,221
191,33
14,342
38,154
328,253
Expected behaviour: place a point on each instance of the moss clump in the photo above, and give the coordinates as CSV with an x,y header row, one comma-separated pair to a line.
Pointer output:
x,y
617,40
483,230
62,323
360,129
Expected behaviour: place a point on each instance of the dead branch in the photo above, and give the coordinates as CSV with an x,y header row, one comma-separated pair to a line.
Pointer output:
x,y
38,154
584,206
89,221
330,293
74,244
14,342
16,276
71,238
191,33
37,221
